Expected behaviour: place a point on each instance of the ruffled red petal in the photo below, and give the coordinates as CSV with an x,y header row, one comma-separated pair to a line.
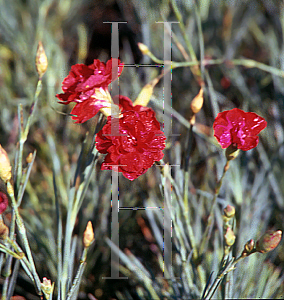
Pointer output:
x,y
84,111
140,144
80,85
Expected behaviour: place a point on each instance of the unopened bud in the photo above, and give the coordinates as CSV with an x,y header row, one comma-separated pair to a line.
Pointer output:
x,y
146,93
248,248
232,152
5,166
29,158
143,48
4,230
268,241
229,211
88,235
47,286
197,102
229,237
41,60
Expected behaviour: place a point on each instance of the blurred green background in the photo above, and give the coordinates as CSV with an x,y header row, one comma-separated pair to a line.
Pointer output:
x,y
73,32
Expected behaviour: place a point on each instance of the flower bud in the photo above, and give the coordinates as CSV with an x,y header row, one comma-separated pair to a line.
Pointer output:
x,y
3,202
29,158
229,211
88,235
268,241
4,230
146,93
5,166
232,152
41,60
143,48
248,248
47,286
197,102
229,237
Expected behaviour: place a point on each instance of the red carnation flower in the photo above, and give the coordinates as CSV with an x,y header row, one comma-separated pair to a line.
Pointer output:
x,y
87,87
140,146
238,128
3,202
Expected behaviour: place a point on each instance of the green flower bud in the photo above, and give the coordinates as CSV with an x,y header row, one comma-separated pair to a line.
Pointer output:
x,y
248,248
41,60
232,152
47,287
88,235
5,166
143,48
229,211
268,241
229,237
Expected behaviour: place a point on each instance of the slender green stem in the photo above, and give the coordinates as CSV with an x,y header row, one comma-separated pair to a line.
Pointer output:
x,y
74,204
78,277
225,260
211,214
6,274
218,280
23,235
155,59
24,181
182,28
195,255
21,146
24,133
33,109
16,216
59,243
248,63
195,69
201,41
8,263
71,217
10,252
224,271
18,255
180,47
190,231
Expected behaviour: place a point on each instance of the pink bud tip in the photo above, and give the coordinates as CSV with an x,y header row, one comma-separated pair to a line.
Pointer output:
x,y
268,241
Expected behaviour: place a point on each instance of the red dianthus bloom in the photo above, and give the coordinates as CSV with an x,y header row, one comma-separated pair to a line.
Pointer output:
x,y
85,86
3,202
239,128
140,146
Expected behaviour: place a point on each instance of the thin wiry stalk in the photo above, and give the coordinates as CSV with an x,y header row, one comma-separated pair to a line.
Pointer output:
x,y
23,235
